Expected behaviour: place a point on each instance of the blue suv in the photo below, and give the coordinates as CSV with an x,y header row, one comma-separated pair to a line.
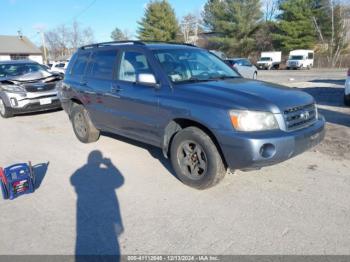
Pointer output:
x,y
203,115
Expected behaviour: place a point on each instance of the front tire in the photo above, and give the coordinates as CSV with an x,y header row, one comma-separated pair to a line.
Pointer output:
x,y
5,112
195,159
83,128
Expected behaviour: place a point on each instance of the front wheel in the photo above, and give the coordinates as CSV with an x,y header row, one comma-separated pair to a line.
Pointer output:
x,y
5,112
195,159
83,128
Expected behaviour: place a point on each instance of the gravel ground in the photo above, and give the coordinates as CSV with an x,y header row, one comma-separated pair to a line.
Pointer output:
x,y
128,201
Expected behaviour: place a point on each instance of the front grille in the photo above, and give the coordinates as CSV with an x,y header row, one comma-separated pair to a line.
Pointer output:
x,y
299,116
40,88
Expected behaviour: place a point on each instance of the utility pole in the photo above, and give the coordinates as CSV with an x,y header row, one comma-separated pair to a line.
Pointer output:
x,y
44,45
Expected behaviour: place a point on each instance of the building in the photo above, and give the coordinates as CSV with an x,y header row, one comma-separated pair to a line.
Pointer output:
x,y
19,47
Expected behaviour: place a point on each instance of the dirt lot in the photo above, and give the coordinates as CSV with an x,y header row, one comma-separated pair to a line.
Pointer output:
x,y
300,206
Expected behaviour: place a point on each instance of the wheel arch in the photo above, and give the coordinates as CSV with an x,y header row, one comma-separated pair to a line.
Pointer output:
x,y
177,124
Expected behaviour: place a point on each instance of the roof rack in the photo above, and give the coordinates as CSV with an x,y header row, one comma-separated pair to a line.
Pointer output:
x,y
125,42
131,42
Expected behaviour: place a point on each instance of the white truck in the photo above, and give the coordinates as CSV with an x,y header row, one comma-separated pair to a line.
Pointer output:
x,y
269,60
300,59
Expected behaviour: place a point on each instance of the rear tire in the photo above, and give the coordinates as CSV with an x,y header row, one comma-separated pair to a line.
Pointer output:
x,y
5,112
195,159
83,128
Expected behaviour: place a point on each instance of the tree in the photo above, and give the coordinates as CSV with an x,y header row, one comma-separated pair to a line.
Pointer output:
x,y
330,23
62,40
159,22
190,27
295,29
235,22
118,35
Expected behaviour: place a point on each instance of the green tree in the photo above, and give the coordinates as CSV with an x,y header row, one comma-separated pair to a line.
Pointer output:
x,y
295,28
159,22
118,35
235,22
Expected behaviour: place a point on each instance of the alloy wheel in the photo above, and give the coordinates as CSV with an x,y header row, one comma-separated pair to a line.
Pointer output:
x,y
192,159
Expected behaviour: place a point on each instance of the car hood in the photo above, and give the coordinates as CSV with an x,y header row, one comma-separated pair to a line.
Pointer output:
x,y
246,94
40,76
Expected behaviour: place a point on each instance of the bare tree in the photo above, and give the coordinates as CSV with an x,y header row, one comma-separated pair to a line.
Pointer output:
x,y
190,28
270,9
333,42
63,41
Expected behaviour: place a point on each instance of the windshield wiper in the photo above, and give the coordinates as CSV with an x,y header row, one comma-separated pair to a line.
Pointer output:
x,y
222,77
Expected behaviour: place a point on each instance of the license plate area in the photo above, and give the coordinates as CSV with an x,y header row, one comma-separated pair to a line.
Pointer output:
x,y
45,101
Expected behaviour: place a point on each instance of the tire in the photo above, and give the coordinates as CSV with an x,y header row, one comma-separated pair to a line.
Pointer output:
x,y
83,128
255,75
347,100
199,173
5,112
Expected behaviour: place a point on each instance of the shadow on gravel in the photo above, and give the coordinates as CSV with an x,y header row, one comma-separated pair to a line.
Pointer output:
x,y
330,96
155,152
329,81
99,221
335,117
40,172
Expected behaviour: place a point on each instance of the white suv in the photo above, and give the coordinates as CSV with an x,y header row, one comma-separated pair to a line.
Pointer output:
x,y
347,90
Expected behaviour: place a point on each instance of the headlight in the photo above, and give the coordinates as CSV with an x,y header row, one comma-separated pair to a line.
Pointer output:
x,y
12,88
244,120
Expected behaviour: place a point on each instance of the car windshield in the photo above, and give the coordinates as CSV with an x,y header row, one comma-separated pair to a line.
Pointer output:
x,y
193,65
18,69
296,57
265,59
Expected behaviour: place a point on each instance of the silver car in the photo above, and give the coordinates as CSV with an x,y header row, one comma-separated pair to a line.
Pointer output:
x,y
26,86
244,67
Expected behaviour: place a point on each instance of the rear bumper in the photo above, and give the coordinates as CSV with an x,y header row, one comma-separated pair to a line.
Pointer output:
x,y
244,151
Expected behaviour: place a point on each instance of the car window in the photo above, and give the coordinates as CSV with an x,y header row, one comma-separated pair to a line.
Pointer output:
x,y
132,64
188,65
102,64
246,62
80,64
20,69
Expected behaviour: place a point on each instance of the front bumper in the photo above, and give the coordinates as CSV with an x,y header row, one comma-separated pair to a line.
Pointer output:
x,y
31,102
255,150
263,66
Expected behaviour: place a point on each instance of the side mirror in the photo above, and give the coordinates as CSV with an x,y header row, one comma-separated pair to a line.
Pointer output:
x,y
147,79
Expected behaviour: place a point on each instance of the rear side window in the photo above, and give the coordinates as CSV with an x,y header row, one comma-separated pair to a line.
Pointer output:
x,y
102,64
246,62
80,64
310,55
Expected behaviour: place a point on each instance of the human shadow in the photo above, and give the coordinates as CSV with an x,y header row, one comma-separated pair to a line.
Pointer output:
x,y
40,171
99,221
329,96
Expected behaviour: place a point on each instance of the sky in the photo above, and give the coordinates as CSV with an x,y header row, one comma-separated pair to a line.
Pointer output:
x,y
101,15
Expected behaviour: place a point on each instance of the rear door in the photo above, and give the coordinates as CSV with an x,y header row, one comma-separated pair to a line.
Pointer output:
x,y
99,81
134,105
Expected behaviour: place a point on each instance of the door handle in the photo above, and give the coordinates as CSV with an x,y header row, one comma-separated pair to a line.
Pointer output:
x,y
115,89
83,83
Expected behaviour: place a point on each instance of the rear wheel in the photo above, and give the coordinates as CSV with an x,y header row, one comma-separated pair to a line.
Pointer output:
x,y
5,112
195,159
83,128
